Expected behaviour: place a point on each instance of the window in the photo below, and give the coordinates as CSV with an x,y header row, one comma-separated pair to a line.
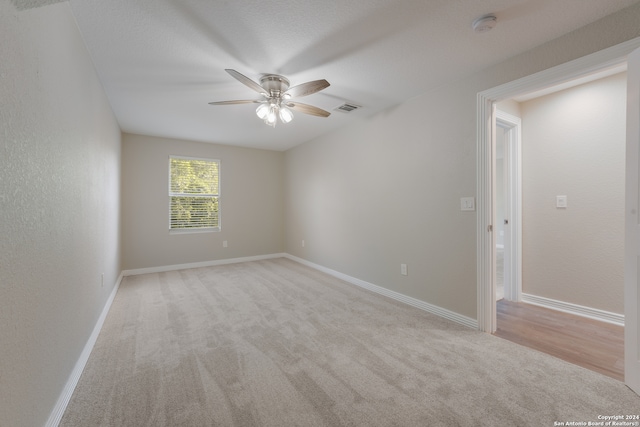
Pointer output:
x,y
194,192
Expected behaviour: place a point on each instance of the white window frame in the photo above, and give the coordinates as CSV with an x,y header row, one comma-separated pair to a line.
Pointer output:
x,y
195,229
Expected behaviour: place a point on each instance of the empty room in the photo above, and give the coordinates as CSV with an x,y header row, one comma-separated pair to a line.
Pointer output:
x,y
278,213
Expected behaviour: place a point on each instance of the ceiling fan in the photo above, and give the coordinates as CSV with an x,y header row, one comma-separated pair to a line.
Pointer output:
x,y
276,101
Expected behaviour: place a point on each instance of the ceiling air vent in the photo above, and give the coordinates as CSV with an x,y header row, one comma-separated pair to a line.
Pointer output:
x,y
347,108
31,4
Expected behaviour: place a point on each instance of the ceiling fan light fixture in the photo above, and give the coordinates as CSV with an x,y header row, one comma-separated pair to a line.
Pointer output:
x,y
262,111
285,115
276,92
272,116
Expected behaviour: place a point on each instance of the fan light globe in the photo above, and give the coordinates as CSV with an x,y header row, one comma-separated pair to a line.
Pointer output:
x,y
271,116
285,115
262,111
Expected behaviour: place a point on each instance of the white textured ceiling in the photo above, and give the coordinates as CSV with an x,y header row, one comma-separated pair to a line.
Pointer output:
x,y
162,61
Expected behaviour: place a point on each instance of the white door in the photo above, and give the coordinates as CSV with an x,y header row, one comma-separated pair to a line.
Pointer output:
x,y
632,225
512,228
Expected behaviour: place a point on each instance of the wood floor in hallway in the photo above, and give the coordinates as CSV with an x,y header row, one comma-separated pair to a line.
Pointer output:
x,y
592,344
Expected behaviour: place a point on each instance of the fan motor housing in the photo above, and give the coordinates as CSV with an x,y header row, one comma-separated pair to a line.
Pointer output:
x,y
274,83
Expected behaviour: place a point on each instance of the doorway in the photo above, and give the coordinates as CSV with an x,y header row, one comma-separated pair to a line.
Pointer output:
x,y
574,143
485,186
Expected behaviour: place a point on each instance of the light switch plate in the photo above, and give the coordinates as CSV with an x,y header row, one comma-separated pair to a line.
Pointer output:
x,y
561,202
467,204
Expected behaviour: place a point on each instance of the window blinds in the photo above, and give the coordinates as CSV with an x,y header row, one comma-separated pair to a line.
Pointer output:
x,y
194,190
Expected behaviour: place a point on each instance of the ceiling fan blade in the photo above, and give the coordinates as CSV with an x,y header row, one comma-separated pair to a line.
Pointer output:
x,y
308,109
247,81
308,88
240,101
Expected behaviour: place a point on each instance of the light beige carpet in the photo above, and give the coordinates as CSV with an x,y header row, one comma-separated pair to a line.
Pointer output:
x,y
274,343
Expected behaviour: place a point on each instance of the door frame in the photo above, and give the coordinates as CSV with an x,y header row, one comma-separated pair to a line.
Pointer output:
x,y
485,151
513,205
632,228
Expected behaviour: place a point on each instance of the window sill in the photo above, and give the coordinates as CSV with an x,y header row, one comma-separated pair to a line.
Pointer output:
x,y
193,230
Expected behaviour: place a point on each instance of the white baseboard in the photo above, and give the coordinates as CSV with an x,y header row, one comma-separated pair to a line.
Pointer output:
x,y
430,308
164,268
72,381
578,310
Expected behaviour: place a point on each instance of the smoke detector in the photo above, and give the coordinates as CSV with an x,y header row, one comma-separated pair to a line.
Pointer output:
x,y
484,23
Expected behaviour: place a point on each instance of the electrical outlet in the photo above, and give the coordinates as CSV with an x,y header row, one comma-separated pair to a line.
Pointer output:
x,y
224,243
403,269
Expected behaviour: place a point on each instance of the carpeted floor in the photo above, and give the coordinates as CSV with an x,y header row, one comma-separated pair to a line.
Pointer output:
x,y
274,343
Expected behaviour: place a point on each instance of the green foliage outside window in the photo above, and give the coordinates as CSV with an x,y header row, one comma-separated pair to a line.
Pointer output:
x,y
194,189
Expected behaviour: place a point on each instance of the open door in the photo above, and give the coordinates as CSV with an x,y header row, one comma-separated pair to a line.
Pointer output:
x,y
632,227
512,227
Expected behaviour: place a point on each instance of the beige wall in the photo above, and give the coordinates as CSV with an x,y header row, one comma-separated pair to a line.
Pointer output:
x,y
386,190
573,144
251,203
509,106
59,207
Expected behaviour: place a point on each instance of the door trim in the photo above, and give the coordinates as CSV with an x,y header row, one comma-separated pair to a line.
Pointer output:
x,y
485,153
632,229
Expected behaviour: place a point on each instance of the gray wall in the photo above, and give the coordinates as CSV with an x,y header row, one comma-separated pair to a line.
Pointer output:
x,y
59,207
386,190
573,144
251,203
